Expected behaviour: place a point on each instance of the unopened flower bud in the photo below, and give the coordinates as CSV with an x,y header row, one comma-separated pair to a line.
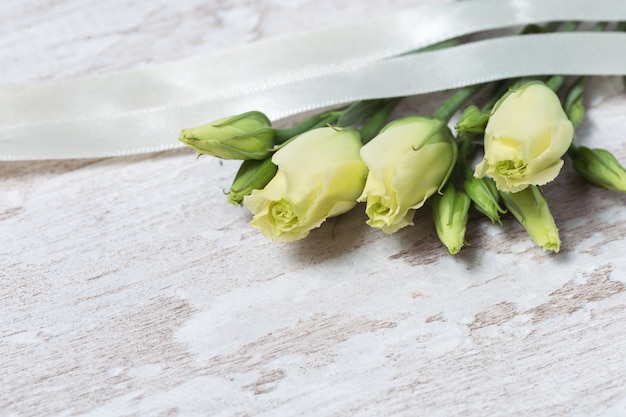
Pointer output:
x,y
450,212
472,121
576,112
600,168
252,175
530,208
246,136
484,194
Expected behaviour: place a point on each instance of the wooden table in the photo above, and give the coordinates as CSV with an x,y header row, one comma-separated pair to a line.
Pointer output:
x,y
129,286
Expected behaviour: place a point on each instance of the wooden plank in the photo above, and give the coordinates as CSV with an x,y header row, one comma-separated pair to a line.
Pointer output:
x,y
129,286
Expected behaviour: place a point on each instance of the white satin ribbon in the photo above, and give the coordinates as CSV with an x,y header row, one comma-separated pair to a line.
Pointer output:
x,y
143,110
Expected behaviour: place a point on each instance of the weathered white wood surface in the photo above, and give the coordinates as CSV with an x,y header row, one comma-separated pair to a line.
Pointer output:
x,y
129,286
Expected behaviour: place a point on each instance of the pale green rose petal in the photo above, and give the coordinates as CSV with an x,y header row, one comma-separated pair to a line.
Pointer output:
x,y
407,163
399,223
273,215
257,201
527,114
277,221
381,206
481,169
429,166
562,133
378,211
320,174
541,177
299,230
342,183
527,134
378,192
504,183
514,185
503,149
341,207
531,209
345,145
373,187
395,140
342,186
307,163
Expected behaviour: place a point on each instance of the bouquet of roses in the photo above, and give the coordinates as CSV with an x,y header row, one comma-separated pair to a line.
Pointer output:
x,y
496,158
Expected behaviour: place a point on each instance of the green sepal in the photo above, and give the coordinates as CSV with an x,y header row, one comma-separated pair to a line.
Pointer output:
x,y
599,167
484,195
450,213
530,208
252,175
472,122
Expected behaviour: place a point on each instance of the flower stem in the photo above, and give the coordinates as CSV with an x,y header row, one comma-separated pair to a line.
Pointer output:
x,y
573,103
360,111
378,120
621,27
555,82
454,102
500,89
319,120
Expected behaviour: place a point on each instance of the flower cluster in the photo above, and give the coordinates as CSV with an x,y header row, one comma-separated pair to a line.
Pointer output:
x,y
292,180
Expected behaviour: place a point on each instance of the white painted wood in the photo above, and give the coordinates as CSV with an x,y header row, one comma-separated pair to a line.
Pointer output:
x,y
129,286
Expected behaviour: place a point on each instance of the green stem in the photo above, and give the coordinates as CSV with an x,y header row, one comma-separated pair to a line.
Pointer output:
x,y
621,27
599,27
319,120
500,90
352,115
573,104
454,102
359,111
378,120
465,148
555,82
553,26
571,26
575,91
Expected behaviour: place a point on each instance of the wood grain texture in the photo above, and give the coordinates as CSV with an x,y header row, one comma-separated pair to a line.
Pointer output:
x,y
130,287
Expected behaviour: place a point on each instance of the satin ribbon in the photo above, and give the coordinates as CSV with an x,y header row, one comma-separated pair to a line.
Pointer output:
x,y
143,110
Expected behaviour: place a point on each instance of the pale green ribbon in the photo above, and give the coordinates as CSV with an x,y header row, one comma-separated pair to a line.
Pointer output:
x,y
143,110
